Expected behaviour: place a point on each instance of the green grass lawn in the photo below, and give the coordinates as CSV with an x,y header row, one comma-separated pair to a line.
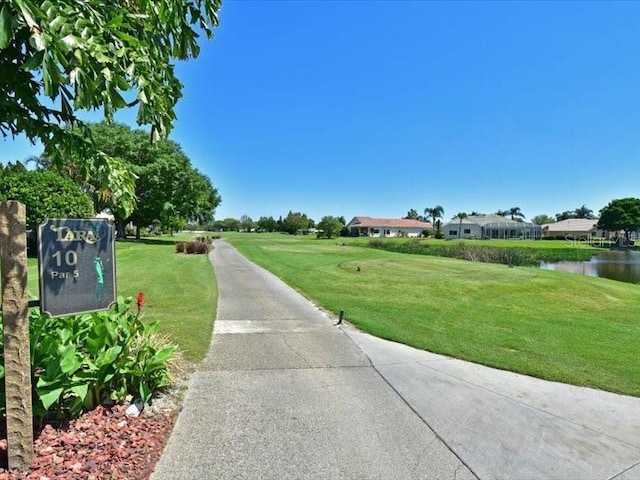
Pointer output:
x,y
552,325
180,290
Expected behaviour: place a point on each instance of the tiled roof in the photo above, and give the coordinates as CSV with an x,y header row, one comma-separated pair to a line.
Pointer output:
x,y
370,222
572,225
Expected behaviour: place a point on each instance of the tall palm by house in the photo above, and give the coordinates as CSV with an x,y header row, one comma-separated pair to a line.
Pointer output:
x,y
515,212
584,212
435,212
461,216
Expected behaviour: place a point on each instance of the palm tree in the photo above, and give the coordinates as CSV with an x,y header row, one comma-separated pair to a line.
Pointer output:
x,y
412,214
461,216
502,213
435,212
515,212
584,212
567,214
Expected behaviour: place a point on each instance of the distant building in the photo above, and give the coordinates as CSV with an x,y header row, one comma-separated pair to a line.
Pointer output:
x,y
386,227
105,215
491,226
573,228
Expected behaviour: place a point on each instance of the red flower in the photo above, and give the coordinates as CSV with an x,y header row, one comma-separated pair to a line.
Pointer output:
x,y
140,300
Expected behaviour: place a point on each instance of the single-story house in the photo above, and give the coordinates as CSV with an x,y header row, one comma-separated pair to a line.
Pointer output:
x,y
573,228
490,226
386,227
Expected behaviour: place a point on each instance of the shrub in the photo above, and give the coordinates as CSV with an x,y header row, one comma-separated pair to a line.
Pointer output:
x,y
201,246
80,361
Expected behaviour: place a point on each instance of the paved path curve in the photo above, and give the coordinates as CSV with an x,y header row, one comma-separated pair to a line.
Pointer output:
x,y
509,426
284,394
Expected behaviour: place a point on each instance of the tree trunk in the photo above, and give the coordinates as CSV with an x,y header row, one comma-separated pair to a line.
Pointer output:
x,y
120,233
17,367
137,232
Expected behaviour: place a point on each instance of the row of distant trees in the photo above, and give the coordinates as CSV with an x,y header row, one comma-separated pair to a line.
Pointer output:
x,y
619,215
170,193
293,223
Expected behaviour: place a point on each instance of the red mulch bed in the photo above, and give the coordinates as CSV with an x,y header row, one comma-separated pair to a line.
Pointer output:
x,y
102,444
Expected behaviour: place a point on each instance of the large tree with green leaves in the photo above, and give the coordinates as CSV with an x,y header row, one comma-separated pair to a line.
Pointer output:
x,y
229,224
267,224
330,226
168,188
246,223
295,222
542,219
621,214
45,195
57,57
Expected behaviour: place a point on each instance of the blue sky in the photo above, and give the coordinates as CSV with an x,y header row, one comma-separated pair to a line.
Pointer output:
x,y
373,108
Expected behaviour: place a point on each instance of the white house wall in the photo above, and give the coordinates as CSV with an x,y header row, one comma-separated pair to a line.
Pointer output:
x,y
469,230
394,232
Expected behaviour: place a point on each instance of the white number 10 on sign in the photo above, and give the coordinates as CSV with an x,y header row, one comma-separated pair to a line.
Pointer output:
x,y
70,258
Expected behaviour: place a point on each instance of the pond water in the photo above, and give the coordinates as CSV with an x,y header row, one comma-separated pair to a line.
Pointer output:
x,y
621,265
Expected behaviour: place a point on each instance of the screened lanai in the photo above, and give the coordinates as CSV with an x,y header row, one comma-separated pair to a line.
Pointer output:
x,y
511,230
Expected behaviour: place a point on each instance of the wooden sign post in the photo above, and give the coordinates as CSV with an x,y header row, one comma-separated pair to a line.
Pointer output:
x,y
17,356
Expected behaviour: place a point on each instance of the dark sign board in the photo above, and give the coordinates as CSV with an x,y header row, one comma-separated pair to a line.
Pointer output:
x,y
77,266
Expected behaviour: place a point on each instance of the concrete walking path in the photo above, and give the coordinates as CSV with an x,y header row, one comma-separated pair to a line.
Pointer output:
x,y
285,394
505,425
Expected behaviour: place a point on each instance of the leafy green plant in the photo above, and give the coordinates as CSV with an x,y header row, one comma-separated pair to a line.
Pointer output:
x,y
80,361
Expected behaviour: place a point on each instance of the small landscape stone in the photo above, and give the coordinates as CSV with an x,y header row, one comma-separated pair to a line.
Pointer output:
x,y
135,408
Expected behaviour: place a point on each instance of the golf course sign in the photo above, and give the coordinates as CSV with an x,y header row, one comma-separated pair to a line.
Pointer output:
x,y
77,266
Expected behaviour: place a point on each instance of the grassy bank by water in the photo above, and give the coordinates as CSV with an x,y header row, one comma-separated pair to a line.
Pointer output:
x,y
552,325
180,290
506,252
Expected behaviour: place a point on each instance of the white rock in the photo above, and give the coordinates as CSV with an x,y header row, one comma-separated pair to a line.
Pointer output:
x,y
135,408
